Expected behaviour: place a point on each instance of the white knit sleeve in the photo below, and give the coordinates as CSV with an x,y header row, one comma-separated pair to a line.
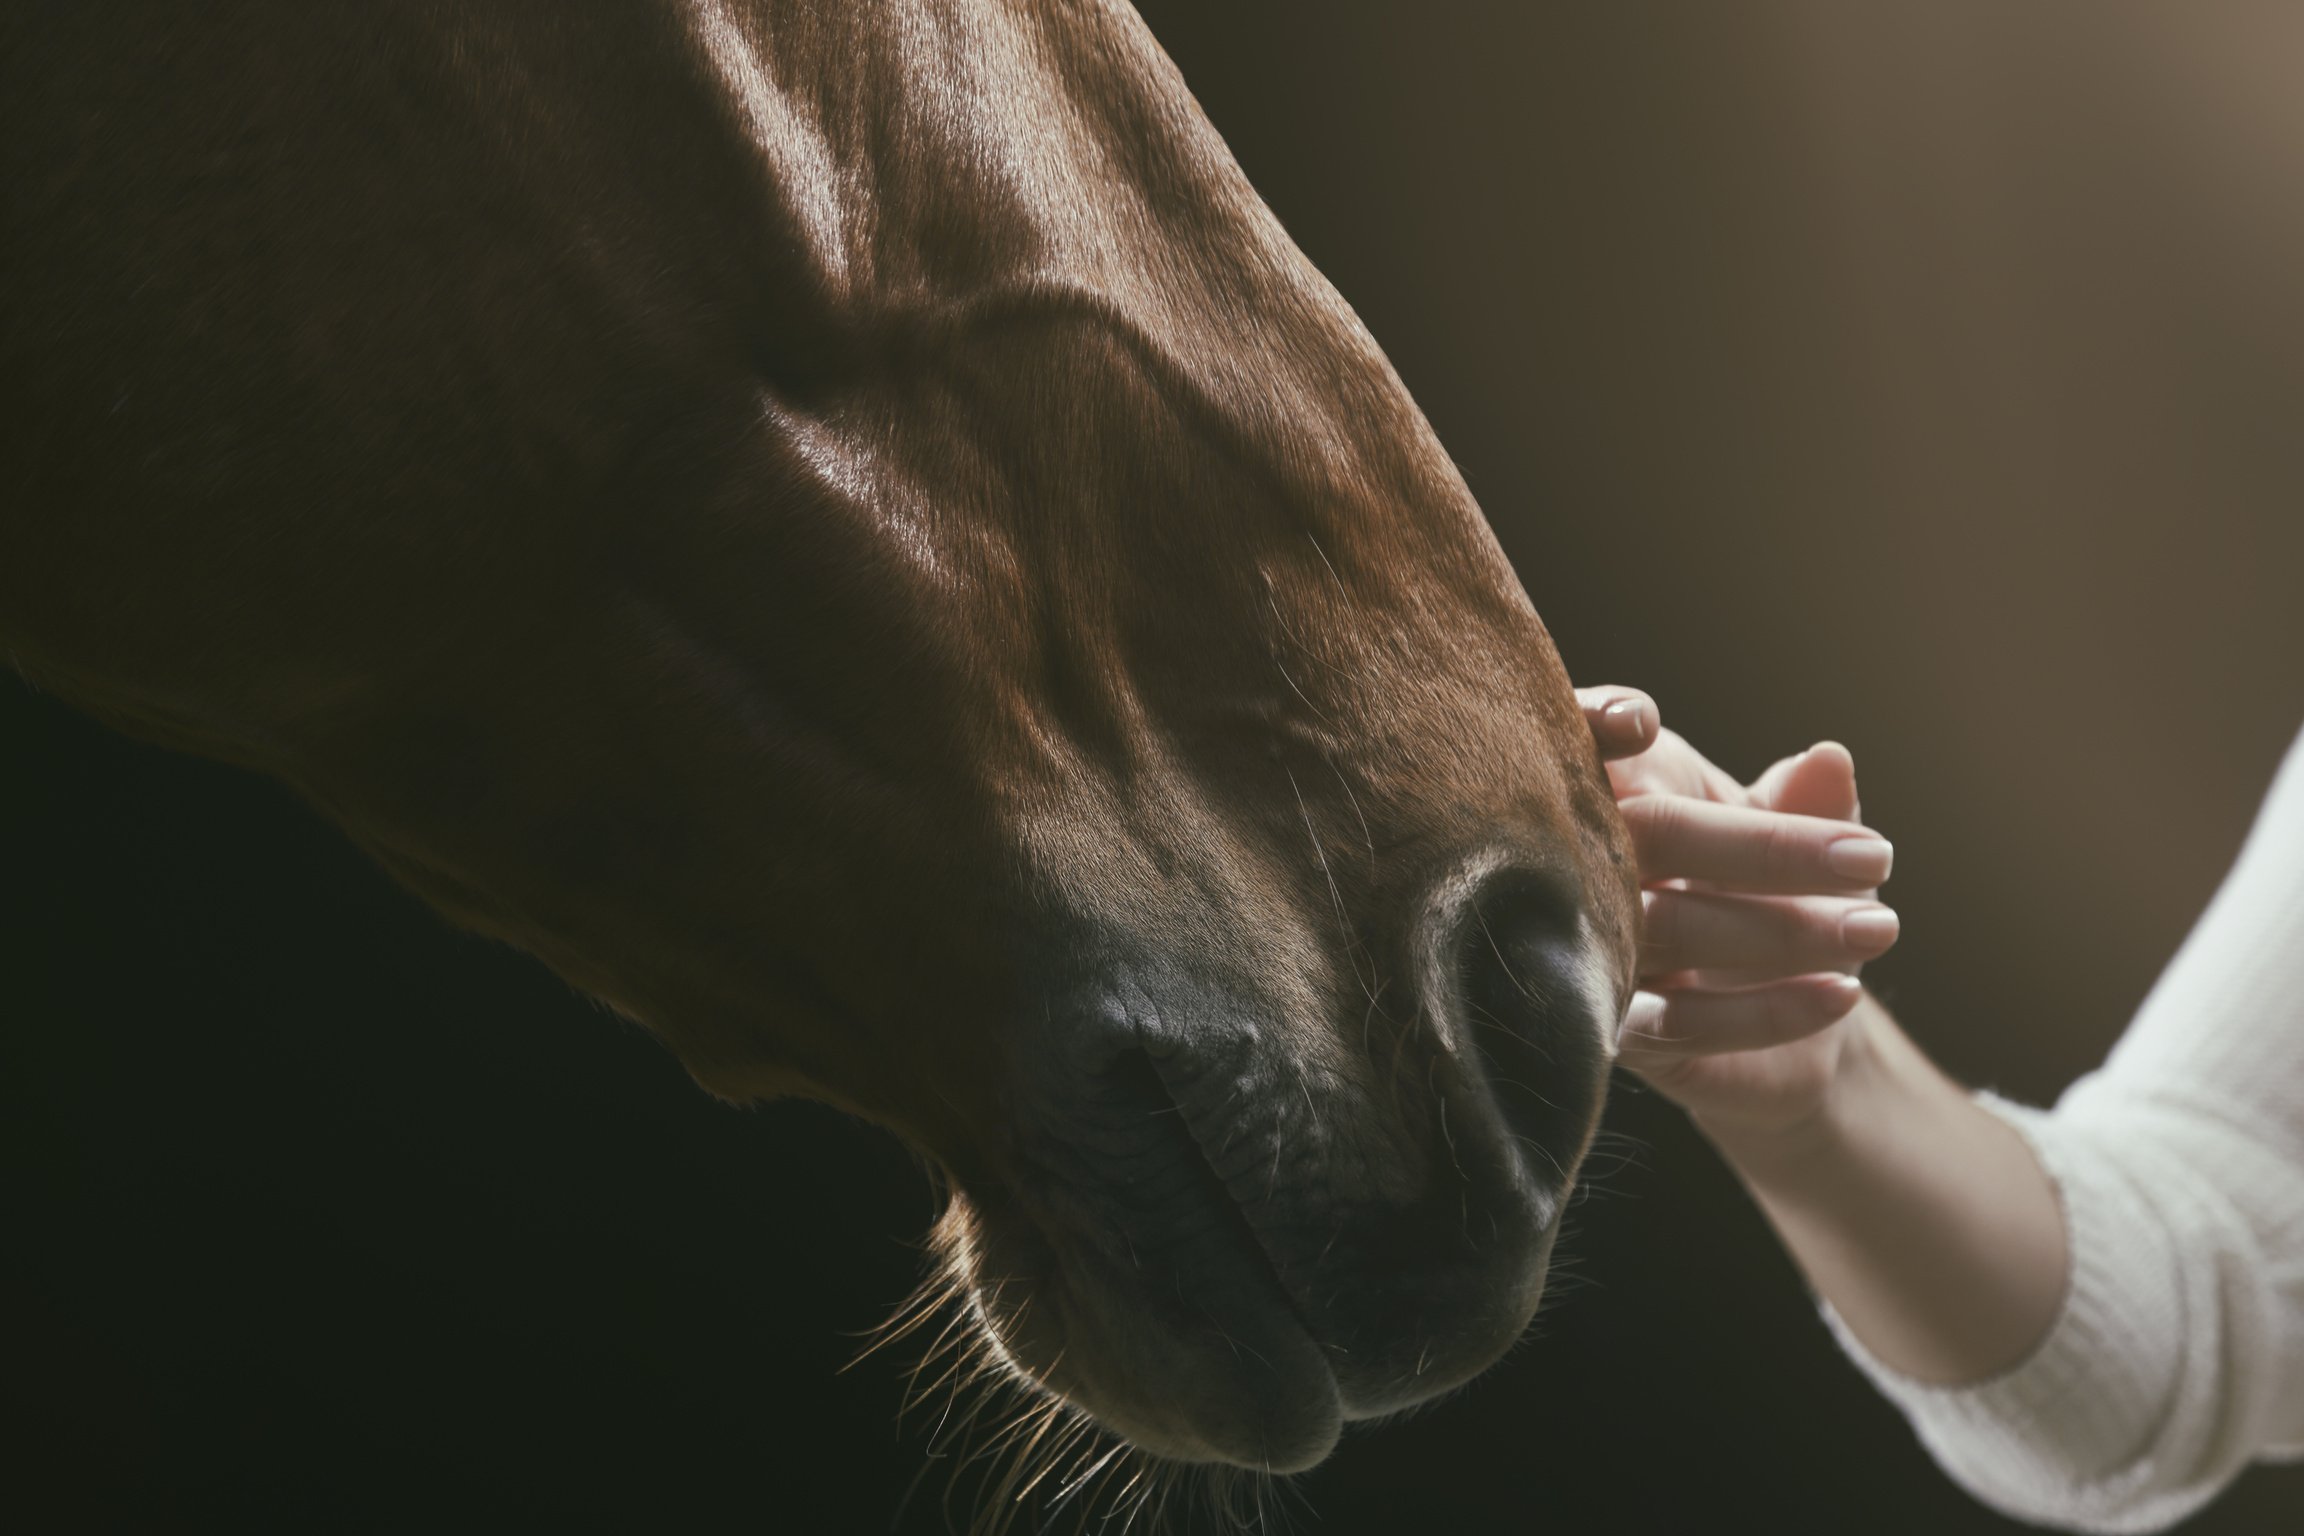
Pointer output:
x,y
2178,1356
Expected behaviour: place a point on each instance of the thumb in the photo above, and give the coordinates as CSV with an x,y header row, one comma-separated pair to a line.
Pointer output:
x,y
1818,782
1623,721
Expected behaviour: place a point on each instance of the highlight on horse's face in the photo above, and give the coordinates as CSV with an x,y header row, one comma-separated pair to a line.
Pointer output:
x,y
1243,924
1189,840
850,532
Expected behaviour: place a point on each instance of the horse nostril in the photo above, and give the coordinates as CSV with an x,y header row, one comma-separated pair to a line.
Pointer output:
x,y
1535,1001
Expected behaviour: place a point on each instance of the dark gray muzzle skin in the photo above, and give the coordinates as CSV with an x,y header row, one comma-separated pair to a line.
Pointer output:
x,y
1334,1245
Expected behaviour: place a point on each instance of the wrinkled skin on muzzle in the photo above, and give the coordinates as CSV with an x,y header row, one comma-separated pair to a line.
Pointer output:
x,y
852,534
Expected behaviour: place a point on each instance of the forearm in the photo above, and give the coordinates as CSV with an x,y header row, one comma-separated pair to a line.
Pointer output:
x,y
1923,1219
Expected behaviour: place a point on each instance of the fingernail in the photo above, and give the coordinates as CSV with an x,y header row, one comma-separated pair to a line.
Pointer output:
x,y
1869,930
1631,712
1865,860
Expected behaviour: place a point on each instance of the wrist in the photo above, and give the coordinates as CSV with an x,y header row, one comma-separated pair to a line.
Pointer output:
x,y
1926,1221
1868,1070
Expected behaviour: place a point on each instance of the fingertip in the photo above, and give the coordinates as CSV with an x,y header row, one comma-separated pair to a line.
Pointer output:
x,y
1861,858
1626,724
1641,1017
1837,993
1871,930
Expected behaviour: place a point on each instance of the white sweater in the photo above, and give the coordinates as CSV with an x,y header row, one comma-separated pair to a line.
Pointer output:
x,y
2179,1355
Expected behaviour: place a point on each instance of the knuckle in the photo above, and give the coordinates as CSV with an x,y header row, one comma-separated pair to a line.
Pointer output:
x,y
1817,931
1653,820
1783,848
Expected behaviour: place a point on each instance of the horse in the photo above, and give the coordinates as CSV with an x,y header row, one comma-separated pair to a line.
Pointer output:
x,y
848,531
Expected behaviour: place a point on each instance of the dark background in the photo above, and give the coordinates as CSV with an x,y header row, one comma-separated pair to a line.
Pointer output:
x,y
1931,382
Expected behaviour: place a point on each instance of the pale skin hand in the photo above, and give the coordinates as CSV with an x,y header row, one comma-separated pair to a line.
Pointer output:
x,y
1759,911
1925,1220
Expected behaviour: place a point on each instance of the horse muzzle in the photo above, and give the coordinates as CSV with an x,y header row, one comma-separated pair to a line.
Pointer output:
x,y
1225,1234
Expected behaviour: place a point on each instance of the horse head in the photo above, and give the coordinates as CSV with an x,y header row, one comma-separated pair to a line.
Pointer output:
x,y
851,533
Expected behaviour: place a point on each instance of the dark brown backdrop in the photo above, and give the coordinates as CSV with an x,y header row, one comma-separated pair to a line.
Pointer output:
x,y
1928,381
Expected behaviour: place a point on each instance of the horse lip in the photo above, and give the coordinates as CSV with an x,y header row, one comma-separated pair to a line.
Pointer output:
x,y
1265,1258
1249,1238
1129,1223
1366,1389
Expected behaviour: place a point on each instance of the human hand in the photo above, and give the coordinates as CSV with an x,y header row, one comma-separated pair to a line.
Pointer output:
x,y
1758,914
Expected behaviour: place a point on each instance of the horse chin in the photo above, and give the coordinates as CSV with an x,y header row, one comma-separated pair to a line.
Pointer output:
x,y
1194,1357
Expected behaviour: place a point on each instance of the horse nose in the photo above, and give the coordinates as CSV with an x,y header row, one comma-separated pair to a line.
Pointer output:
x,y
1243,1234
1538,1006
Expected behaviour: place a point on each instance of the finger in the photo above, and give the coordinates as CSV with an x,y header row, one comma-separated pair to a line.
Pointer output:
x,y
1673,1024
1818,782
1741,848
1768,790
1672,767
1759,938
1744,848
1623,721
